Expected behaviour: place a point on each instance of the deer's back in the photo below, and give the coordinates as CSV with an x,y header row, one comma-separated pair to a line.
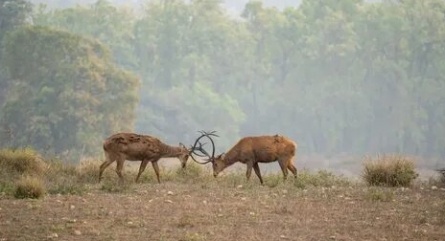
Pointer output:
x,y
264,148
133,146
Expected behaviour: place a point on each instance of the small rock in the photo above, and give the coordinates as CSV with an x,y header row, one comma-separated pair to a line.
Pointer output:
x,y
168,201
53,236
220,215
433,188
77,232
252,214
284,191
72,207
130,223
151,200
205,202
332,237
239,186
243,199
170,193
283,236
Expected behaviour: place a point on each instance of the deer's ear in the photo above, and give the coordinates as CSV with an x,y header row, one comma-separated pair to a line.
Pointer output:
x,y
181,145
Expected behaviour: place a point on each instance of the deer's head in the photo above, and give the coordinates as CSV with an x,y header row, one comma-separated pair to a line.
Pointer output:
x,y
218,163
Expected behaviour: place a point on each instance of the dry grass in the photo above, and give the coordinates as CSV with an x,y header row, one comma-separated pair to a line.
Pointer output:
x,y
29,187
389,170
22,161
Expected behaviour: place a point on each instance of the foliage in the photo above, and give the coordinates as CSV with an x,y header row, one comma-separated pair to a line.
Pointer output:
x,y
390,170
349,76
71,99
101,21
13,13
29,187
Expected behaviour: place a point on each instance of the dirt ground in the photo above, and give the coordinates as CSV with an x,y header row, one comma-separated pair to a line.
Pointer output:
x,y
173,211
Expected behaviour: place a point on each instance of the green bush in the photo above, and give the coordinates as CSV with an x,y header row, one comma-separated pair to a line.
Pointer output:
x,y
389,170
29,187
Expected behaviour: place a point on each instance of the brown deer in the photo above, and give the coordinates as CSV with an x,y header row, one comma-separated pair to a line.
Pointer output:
x,y
134,147
251,151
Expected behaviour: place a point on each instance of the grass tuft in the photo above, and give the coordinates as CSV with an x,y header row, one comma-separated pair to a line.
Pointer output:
x,y
29,187
22,161
389,170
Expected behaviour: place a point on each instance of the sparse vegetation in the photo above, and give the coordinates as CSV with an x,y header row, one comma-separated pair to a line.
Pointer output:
x,y
320,179
115,187
192,171
29,187
379,194
389,170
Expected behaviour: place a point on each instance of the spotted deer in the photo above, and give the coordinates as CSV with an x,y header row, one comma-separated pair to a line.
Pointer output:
x,y
134,147
251,150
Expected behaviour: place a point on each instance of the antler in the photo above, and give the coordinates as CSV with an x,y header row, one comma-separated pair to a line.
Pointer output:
x,y
200,148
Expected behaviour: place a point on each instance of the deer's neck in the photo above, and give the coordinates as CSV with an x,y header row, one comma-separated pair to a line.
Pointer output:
x,y
171,151
231,158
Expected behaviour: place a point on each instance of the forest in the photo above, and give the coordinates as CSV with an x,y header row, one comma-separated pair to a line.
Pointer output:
x,y
339,77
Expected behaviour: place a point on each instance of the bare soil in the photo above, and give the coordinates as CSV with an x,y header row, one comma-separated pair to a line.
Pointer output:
x,y
201,211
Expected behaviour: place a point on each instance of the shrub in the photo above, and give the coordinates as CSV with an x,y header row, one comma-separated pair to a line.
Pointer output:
x,y
389,170
22,161
29,187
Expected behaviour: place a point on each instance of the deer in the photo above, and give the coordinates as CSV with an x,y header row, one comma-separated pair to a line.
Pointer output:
x,y
135,147
250,150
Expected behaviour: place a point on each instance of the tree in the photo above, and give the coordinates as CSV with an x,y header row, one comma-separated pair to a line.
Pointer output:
x,y
71,99
13,13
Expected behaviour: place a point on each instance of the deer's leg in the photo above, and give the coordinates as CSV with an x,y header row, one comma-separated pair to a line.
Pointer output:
x,y
249,169
156,168
256,168
119,167
292,168
283,165
108,160
142,168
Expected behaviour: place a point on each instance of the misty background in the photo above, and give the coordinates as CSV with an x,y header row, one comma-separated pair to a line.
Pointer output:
x,y
344,79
